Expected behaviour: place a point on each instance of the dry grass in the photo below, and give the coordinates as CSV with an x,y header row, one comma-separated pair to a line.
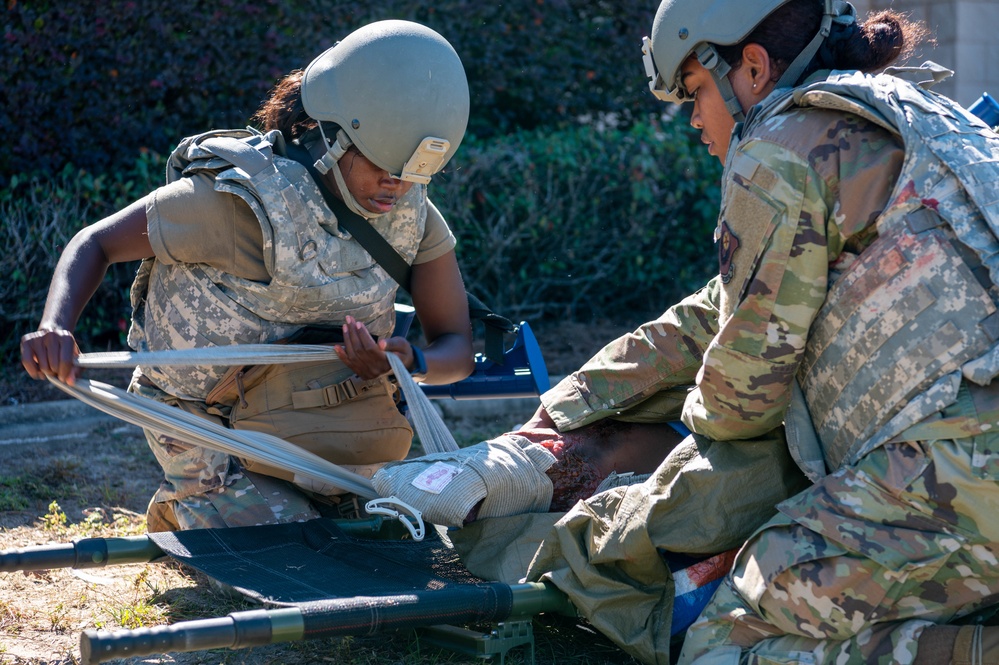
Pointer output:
x,y
103,493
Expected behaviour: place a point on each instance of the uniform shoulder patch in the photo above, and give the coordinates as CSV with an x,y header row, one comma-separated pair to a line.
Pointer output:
x,y
746,170
728,242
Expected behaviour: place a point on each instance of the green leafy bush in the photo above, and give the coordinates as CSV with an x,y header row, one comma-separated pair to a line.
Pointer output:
x,y
583,222
38,217
86,83
559,211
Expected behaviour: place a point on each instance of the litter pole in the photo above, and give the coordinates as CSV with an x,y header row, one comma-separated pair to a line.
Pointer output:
x,y
235,631
100,552
361,615
83,553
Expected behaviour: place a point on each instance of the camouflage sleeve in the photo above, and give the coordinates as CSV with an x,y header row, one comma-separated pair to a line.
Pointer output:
x,y
743,388
659,355
820,185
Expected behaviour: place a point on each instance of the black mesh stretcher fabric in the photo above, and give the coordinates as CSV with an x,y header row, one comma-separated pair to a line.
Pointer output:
x,y
341,584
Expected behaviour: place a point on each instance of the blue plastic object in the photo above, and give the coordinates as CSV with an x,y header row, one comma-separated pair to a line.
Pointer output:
x,y
987,109
680,428
522,374
404,315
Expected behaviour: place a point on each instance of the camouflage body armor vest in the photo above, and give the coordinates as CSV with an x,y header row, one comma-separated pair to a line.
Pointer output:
x,y
916,311
319,274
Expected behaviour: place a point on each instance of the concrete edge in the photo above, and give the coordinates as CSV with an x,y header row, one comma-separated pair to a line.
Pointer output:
x,y
43,412
56,420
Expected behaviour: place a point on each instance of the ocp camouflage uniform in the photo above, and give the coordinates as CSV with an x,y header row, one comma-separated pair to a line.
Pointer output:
x,y
724,481
206,489
869,332
897,530
312,273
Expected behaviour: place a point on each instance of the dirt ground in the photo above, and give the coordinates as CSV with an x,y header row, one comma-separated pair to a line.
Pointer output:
x,y
97,485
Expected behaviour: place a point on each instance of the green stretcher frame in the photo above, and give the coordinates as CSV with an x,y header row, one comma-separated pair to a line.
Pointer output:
x,y
510,625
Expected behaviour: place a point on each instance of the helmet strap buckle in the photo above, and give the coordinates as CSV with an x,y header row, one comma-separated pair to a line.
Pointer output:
x,y
334,152
719,69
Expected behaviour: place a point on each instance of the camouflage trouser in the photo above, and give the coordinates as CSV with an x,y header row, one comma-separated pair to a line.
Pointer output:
x,y
857,565
204,488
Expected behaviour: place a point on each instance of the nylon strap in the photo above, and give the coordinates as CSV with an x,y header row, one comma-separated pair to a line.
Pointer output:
x,y
369,238
393,263
433,433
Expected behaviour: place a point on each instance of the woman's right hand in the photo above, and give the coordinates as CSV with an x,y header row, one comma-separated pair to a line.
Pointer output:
x,y
50,353
124,236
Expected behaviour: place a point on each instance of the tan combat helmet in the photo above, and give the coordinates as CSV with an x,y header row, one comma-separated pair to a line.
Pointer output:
x,y
397,91
691,27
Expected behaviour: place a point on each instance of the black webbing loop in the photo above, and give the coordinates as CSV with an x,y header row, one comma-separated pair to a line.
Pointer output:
x,y
393,263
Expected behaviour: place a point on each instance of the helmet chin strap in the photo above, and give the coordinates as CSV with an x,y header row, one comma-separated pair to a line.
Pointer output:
x,y
328,162
719,69
835,11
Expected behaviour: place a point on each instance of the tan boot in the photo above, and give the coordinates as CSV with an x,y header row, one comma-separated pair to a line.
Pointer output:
x,y
959,645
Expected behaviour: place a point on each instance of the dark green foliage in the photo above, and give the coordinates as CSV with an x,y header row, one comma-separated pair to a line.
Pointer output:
x,y
88,82
585,221
38,217
582,222
570,197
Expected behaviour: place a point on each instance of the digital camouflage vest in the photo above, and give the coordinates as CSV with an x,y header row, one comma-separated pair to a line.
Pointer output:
x,y
319,274
916,312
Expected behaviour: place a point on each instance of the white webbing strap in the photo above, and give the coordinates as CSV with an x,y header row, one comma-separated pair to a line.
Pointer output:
x,y
257,446
237,354
434,434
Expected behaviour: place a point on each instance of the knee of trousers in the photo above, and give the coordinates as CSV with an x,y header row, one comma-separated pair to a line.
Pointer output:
x,y
806,585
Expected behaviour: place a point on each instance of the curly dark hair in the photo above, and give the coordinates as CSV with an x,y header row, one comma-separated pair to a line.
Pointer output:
x,y
283,109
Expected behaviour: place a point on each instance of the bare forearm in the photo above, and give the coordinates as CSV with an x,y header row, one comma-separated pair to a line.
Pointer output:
x,y
449,359
81,268
442,307
77,275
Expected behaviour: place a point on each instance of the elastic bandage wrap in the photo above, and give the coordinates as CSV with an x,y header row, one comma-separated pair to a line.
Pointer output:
x,y
506,473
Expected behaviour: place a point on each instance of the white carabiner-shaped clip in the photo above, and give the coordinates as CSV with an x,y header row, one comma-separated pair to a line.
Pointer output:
x,y
407,514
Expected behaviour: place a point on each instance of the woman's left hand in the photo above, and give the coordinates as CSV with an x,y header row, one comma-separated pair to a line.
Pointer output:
x,y
361,353
442,308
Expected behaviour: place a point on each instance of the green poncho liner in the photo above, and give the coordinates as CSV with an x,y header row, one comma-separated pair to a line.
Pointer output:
x,y
705,498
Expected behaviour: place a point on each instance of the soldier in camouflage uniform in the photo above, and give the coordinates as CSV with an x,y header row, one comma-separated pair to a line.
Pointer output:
x,y
855,305
851,327
240,246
